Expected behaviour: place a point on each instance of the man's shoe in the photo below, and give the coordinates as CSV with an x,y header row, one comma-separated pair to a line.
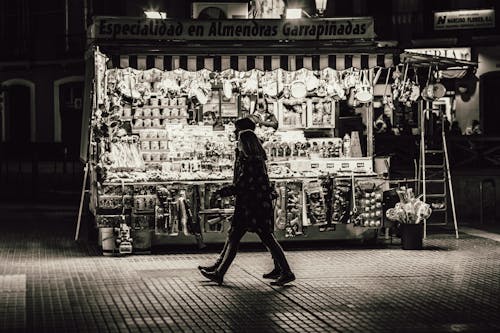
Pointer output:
x,y
208,268
284,279
273,275
212,276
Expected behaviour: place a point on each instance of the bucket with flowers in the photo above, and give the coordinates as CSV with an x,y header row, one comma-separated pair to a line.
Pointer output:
x,y
410,212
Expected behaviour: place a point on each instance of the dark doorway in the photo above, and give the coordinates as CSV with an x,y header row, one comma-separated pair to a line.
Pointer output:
x,y
18,115
71,106
489,85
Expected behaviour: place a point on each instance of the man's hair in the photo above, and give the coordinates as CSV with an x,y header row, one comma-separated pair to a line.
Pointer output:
x,y
244,123
211,113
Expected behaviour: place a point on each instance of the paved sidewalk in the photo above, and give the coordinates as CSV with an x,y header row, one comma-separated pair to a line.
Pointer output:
x,y
50,284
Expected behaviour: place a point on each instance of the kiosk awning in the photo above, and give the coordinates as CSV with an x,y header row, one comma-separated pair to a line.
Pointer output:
x,y
426,60
338,61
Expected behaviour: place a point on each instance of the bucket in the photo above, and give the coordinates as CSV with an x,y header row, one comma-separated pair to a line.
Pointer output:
x,y
142,241
411,236
381,165
108,241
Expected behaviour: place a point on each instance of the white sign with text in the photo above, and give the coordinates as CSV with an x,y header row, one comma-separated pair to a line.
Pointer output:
x,y
457,53
464,19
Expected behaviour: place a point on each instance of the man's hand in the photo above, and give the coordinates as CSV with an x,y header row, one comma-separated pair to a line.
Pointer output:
x,y
214,198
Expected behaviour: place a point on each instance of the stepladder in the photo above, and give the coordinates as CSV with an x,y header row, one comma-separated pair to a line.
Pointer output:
x,y
434,175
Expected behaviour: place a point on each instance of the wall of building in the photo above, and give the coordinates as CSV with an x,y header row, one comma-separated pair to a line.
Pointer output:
x,y
43,78
488,61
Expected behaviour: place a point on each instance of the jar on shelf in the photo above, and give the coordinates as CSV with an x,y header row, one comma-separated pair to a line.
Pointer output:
x,y
154,145
127,111
139,123
166,112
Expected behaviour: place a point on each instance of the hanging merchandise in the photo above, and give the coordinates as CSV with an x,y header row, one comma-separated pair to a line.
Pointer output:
x,y
368,196
387,99
405,88
415,88
312,82
341,200
364,90
298,89
126,85
315,204
289,208
396,85
428,91
100,80
439,89
249,82
352,82
272,83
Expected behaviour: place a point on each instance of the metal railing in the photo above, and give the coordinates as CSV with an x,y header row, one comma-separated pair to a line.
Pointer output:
x,y
38,171
467,153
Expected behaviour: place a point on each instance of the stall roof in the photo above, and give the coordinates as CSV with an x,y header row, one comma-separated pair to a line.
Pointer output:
x,y
425,60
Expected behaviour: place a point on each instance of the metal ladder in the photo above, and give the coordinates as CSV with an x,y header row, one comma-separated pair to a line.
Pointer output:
x,y
434,169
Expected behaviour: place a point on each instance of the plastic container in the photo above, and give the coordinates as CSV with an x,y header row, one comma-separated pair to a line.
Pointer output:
x,y
108,241
411,236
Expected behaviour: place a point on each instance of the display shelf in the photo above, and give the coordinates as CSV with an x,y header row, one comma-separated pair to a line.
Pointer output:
x,y
147,128
160,117
216,211
228,180
145,151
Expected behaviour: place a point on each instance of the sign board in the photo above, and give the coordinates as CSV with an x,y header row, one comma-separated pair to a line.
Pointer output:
x,y
458,53
126,28
464,19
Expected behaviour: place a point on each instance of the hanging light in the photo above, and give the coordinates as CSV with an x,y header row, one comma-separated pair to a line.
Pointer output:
x,y
321,6
294,13
155,14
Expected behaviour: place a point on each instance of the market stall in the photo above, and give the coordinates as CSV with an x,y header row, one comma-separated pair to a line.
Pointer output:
x,y
160,140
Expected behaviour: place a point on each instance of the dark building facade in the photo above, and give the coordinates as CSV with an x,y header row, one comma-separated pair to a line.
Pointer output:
x,y
42,64
44,45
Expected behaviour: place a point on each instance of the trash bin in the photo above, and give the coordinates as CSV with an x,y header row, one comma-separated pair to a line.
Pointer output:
x,y
411,236
108,241
142,241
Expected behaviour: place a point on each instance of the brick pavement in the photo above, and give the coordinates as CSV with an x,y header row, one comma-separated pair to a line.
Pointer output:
x,y
50,284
